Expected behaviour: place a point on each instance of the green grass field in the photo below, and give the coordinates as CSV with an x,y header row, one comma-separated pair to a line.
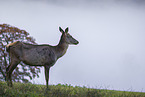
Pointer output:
x,y
32,90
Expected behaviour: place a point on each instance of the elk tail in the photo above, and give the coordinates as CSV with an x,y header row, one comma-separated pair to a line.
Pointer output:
x,y
10,45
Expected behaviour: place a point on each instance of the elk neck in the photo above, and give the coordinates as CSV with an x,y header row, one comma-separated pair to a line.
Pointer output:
x,y
62,47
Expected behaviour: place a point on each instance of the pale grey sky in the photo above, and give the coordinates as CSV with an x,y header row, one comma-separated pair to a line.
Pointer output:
x,y
111,53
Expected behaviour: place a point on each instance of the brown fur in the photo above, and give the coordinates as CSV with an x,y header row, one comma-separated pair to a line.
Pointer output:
x,y
37,55
11,44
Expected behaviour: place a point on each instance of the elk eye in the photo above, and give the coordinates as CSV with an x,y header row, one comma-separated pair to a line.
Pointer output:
x,y
69,36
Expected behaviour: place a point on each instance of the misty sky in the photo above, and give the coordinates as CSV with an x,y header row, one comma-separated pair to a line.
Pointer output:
x,y
111,53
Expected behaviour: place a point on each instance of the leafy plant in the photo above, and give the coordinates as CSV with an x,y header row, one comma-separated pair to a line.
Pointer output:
x,y
10,34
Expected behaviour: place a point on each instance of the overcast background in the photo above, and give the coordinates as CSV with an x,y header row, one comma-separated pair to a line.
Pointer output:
x,y
111,53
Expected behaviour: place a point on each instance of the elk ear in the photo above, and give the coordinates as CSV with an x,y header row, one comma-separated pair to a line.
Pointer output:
x,y
60,29
66,30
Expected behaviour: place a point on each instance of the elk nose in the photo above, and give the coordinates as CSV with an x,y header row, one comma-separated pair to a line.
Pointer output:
x,y
76,43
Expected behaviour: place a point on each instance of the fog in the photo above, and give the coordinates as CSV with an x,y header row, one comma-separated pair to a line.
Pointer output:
x,y
111,53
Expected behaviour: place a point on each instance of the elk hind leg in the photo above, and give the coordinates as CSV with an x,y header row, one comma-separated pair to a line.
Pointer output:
x,y
9,71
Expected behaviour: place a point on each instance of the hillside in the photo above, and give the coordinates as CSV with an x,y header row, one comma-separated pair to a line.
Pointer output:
x,y
32,90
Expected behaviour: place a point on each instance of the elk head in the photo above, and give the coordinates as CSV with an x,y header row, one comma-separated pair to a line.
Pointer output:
x,y
67,37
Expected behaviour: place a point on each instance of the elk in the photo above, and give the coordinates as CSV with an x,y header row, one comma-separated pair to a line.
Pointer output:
x,y
37,55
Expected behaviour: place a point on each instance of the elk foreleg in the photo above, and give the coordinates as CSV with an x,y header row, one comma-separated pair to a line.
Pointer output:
x,y
47,68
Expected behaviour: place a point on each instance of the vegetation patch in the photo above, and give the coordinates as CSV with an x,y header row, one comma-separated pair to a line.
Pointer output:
x,y
32,90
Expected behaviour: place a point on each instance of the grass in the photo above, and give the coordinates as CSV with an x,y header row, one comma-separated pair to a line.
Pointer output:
x,y
32,90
